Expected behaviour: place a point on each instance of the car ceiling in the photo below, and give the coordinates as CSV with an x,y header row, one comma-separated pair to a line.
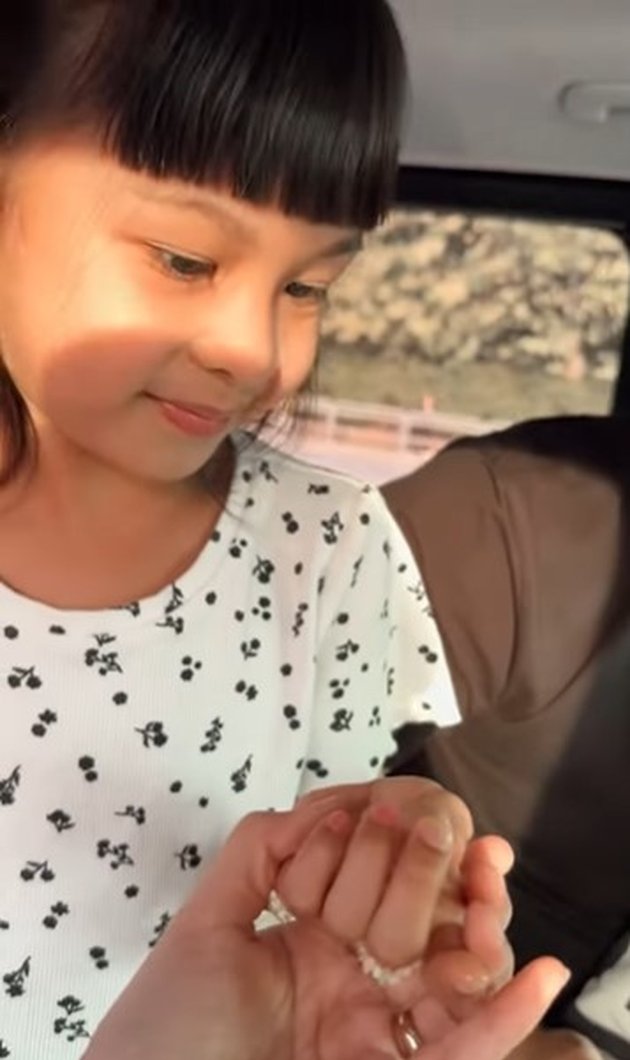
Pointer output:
x,y
526,86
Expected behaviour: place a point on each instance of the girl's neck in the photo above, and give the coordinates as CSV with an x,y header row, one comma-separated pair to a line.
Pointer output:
x,y
70,488
97,541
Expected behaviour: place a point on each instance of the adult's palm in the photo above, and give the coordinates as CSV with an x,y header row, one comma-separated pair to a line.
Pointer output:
x,y
216,990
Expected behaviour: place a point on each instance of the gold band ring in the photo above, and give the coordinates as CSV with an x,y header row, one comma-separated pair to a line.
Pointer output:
x,y
408,1040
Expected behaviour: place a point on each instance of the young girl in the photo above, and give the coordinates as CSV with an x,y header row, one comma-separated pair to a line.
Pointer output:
x,y
192,626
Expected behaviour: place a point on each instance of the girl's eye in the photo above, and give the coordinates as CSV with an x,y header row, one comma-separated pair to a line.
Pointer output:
x,y
306,292
182,267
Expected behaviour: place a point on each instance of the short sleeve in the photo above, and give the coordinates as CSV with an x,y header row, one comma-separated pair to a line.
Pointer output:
x,y
452,514
379,659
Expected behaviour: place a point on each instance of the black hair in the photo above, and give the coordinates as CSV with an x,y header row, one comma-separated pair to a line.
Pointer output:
x,y
291,102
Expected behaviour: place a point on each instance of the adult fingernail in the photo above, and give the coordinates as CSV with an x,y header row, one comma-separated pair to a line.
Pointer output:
x,y
436,833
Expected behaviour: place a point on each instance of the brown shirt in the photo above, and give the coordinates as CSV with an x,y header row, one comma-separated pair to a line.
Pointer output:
x,y
523,539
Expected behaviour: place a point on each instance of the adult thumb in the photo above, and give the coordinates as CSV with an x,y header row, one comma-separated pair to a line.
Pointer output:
x,y
507,1019
500,1025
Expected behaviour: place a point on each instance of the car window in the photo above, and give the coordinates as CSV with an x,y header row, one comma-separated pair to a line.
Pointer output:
x,y
449,323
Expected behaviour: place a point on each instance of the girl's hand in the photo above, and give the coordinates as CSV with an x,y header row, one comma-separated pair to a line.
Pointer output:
x,y
378,885
469,954
215,989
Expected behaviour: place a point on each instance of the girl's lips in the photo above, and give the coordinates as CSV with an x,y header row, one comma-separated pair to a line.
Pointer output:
x,y
198,420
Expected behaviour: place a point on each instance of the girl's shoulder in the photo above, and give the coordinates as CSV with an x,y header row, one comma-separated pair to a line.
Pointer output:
x,y
301,487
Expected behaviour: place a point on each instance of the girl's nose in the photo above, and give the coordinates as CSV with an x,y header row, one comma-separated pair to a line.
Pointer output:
x,y
239,340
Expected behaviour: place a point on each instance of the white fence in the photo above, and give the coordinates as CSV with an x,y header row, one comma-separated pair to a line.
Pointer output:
x,y
375,442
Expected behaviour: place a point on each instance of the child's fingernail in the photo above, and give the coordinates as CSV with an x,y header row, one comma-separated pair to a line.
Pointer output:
x,y
384,814
339,822
473,984
436,833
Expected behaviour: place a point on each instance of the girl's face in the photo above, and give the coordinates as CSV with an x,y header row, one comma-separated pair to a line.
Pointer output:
x,y
142,320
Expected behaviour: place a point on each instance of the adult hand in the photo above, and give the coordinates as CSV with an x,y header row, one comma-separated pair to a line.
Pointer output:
x,y
214,989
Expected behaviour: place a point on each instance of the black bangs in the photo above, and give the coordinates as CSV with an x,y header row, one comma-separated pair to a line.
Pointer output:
x,y
285,101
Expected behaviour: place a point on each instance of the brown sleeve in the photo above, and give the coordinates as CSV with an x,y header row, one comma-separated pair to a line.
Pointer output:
x,y
521,554
455,522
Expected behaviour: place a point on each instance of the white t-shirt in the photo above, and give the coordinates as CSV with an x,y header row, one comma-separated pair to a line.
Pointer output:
x,y
133,740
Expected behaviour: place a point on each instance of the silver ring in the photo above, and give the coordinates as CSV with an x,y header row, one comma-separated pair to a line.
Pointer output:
x,y
379,973
406,1036
278,909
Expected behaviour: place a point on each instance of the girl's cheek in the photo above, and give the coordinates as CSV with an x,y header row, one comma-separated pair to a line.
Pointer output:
x,y
298,361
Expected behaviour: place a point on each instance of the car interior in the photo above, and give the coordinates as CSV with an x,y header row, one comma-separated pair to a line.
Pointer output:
x,y
521,109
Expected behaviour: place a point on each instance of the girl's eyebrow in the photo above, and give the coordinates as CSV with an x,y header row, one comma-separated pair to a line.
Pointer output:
x,y
345,247
205,203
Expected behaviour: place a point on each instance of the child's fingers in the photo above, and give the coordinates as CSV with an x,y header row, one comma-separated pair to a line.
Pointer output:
x,y
483,882
401,927
484,937
494,850
472,912
236,886
461,983
352,797
465,965
362,878
414,797
304,881
418,798
457,978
